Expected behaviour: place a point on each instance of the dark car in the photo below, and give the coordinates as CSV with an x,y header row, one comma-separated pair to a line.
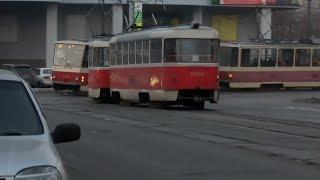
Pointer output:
x,y
25,71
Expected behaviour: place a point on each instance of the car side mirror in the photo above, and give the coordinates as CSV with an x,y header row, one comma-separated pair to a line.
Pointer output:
x,y
66,133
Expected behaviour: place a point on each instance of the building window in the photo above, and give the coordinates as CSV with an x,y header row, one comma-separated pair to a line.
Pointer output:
x,y
249,57
285,57
76,26
156,51
268,57
8,28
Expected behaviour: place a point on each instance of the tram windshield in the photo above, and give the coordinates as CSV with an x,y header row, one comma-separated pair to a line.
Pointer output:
x,y
69,55
100,57
191,50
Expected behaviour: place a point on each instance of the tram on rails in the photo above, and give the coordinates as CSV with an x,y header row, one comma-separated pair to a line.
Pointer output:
x,y
70,67
259,65
98,76
166,65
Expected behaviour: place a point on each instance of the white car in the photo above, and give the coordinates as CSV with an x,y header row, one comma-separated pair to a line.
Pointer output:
x,y
27,150
44,77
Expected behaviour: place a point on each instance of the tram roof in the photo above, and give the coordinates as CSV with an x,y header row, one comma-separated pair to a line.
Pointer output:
x,y
76,42
276,45
168,32
99,43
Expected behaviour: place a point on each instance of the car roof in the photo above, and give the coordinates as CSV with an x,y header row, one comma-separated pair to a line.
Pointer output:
x,y
17,65
8,76
44,68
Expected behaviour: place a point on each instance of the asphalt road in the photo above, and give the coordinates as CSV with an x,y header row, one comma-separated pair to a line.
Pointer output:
x,y
273,135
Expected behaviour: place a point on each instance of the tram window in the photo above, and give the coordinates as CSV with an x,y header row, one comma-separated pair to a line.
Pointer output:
x,y
303,57
119,53
125,52
85,57
112,54
268,57
139,52
145,51
249,57
132,56
191,50
285,57
90,57
316,57
100,57
106,52
156,51
229,56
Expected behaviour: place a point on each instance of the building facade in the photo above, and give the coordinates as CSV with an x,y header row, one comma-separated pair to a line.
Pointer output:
x,y
29,28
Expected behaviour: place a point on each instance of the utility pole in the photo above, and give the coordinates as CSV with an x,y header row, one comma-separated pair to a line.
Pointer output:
x,y
309,22
101,2
131,12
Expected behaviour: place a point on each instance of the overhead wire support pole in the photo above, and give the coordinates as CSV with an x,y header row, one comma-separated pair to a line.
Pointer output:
x,y
309,25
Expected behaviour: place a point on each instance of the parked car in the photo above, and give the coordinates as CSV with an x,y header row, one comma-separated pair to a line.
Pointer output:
x,y
27,148
25,71
43,76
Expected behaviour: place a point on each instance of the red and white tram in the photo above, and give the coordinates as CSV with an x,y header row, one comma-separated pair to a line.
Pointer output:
x,y
257,65
98,77
162,66
70,67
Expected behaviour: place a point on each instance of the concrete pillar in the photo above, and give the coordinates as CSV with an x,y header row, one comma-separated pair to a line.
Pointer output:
x,y
117,19
198,14
52,32
131,13
265,23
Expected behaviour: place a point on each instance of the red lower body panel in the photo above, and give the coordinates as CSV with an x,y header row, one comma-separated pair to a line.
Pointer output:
x,y
165,78
99,79
70,78
268,77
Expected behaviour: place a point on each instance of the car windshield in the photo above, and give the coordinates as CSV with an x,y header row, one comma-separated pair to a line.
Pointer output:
x,y
23,70
47,71
69,55
14,98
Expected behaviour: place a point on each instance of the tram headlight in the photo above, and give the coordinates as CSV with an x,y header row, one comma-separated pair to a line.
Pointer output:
x,y
154,81
82,79
230,75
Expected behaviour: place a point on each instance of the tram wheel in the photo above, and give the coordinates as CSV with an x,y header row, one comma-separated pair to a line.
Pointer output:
x,y
116,97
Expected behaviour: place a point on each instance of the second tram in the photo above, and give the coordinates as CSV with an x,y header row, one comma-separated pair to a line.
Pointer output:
x,y
258,65
70,67
162,66
98,77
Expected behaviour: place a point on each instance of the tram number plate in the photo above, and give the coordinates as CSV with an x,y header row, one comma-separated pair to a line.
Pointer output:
x,y
197,74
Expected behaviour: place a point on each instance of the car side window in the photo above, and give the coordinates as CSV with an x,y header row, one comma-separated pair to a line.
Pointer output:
x,y
38,71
